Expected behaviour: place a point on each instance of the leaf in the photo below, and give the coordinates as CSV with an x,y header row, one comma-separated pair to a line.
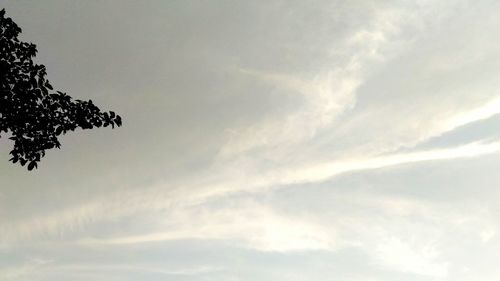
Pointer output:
x,y
32,111
32,165
118,120
59,130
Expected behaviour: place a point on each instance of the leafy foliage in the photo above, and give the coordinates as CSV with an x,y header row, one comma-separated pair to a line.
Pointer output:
x,y
30,110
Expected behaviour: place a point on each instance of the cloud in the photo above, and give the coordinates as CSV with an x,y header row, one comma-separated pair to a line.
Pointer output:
x,y
140,268
250,224
155,199
310,92
407,257
22,272
325,171
325,95
488,110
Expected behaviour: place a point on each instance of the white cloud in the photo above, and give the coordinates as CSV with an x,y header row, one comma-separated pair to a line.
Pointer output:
x,y
325,171
23,272
182,198
326,95
408,257
252,225
485,111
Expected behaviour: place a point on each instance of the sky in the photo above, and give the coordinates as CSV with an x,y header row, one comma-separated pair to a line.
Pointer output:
x,y
263,140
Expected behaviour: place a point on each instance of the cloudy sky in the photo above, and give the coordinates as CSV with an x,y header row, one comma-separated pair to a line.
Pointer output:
x,y
263,140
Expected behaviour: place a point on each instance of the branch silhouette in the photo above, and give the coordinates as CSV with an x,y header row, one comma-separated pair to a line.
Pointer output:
x,y
33,113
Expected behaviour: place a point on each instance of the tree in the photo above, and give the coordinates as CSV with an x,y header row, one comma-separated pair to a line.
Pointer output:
x,y
33,113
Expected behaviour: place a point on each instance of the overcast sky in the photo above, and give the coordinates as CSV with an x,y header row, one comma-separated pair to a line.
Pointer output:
x,y
263,140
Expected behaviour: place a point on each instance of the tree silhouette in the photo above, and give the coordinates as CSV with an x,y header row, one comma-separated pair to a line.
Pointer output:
x,y
30,110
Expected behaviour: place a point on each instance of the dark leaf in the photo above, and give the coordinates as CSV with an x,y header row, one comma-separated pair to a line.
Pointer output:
x,y
59,130
31,165
30,110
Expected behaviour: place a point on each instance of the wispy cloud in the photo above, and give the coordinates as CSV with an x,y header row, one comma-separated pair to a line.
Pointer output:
x,y
317,153
327,170
252,225
408,257
266,230
325,95
22,272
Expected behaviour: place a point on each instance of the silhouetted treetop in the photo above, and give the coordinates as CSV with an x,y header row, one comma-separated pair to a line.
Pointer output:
x,y
34,114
